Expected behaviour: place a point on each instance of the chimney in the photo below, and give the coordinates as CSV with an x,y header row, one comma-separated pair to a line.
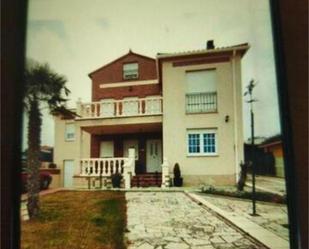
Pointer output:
x,y
210,44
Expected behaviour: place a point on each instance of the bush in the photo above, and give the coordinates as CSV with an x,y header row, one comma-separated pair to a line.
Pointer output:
x,y
243,176
116,180
177,176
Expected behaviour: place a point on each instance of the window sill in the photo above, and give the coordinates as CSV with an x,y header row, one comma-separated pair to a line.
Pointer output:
x,y
69,140
202,155
210,112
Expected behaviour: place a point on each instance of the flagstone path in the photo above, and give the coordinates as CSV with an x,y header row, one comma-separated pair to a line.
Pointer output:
x,y
171,220
271,216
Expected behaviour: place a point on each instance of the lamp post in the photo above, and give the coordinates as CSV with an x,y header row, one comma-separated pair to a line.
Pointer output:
x,y
250,87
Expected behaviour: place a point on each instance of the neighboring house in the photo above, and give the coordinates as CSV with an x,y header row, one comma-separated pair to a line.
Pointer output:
x,y
45,156
264,162
148,114
273,145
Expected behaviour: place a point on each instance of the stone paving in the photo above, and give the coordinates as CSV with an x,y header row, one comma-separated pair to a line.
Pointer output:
x,y
171,220
272,184
272,217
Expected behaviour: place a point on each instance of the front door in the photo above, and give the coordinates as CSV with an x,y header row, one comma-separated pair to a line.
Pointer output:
x,y
68,173
154,155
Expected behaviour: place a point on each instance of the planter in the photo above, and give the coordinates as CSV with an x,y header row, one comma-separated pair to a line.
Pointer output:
x,y
116,180
178,182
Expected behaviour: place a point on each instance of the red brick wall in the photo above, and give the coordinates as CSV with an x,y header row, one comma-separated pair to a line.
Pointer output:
x,y
95,146
121,92
113,73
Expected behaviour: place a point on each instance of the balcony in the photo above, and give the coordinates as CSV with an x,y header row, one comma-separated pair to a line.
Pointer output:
x,y
128,107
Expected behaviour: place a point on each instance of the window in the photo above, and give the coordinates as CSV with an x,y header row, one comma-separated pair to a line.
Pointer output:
x,y
107,149
202,142
69,132
201,91
130,71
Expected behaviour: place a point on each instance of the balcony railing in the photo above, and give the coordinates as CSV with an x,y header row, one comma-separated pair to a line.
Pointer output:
x,y
201,102
121,108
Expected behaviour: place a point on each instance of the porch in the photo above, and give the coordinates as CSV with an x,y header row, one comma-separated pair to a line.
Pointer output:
x,y
134,151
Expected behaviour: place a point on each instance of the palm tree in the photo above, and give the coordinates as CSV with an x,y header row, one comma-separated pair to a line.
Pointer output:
x,y
43,88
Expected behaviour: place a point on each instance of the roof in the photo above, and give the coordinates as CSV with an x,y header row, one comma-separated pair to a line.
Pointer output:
x,y
64,113
129,53
240,47
277,139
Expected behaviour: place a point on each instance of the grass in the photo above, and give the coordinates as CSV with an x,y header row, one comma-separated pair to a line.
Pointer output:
x,y
245,194
81,220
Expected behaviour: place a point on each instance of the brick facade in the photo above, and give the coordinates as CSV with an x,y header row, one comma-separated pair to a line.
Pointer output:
x,y
113,73
129,91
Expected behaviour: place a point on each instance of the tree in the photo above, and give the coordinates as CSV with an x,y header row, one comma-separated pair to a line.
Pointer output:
x,y
43,88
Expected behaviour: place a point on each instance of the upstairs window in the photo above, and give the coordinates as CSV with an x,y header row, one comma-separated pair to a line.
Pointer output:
x,y
130,71
69,132
201,95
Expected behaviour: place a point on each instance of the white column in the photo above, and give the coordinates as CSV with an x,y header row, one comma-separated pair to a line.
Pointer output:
x,y
132,159
127,174
79,107
165,173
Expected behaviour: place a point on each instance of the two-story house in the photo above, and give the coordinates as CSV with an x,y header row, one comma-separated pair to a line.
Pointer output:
x,y
183,108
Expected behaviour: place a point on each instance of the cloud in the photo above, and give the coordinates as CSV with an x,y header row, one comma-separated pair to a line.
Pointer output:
x,y
55,26
103,23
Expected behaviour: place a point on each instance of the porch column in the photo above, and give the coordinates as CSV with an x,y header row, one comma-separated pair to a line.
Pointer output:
x,y
79,107
127,175
80,150
132,159
165,173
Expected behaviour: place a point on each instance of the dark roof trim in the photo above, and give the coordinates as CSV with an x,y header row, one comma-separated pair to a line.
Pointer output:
x,y
130,52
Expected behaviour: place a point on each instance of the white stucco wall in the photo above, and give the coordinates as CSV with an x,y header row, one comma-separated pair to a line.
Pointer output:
x,y
70,150
176,122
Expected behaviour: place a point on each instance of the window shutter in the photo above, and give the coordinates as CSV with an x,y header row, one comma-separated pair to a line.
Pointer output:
x,y
201,81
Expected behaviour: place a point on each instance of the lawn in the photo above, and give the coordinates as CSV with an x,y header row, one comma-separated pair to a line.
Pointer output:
x,y
72,219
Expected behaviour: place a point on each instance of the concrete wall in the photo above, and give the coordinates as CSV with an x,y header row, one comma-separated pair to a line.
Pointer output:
x,y
219,169
70,150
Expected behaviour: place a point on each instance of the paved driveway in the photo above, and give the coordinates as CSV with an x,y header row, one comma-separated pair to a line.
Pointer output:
x,y
171,220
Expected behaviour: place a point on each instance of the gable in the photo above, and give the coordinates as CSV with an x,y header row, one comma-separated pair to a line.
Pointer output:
x,y
113,71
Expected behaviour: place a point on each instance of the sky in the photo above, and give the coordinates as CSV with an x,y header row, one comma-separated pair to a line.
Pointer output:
x,y
78,36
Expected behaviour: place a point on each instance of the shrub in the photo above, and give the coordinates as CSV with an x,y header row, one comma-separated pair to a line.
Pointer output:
x,y
243,176
177,176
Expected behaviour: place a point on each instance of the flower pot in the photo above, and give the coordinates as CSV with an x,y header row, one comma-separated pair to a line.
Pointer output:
x,y
116,180
178,182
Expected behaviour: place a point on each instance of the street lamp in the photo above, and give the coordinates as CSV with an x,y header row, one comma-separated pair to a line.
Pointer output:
x,y
250,87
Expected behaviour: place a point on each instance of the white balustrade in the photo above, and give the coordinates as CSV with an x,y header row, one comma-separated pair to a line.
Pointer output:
x,y
106,167
102,166
121,108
